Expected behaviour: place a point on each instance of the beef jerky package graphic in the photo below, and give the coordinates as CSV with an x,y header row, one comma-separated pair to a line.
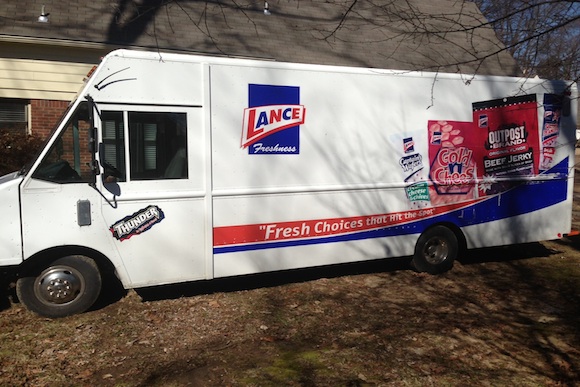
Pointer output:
x,y
507,130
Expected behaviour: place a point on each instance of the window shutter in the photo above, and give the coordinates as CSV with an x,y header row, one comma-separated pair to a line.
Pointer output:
x,y
12,112
150,142
110,141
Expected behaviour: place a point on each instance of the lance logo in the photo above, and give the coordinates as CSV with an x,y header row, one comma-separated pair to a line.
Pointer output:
x,y
483,121
436,138
261,122
137,223
271,123
408,145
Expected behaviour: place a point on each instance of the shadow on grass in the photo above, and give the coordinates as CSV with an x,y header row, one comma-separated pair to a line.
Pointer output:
x,y
273,279
572,241
113,291
5,298
505,253
7,290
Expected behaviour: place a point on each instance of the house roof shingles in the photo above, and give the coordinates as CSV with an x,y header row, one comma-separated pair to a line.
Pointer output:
x,y
378,34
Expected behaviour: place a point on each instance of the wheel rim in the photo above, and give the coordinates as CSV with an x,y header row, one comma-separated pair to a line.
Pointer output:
x,y
58,285
436,251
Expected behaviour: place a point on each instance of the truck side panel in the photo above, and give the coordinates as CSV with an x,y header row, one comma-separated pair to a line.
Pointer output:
x,y
339,191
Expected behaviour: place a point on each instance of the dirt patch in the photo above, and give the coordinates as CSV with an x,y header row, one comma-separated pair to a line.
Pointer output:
x,y
502,316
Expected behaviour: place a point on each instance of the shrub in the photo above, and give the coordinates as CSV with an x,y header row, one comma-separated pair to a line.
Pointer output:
x,y
16,149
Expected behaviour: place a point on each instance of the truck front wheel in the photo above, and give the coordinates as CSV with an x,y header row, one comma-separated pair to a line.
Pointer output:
x,y
436,250
70,285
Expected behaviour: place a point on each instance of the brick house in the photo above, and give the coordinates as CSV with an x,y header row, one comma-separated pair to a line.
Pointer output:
x,y
42,64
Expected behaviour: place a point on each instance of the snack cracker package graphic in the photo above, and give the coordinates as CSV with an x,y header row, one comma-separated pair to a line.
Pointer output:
x,y
451,157
550,129
414,175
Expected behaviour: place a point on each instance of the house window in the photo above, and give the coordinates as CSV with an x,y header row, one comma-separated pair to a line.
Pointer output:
x,y
13,115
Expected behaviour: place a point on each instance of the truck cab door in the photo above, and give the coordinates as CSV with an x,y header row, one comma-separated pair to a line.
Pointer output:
x,y
56,191
155,200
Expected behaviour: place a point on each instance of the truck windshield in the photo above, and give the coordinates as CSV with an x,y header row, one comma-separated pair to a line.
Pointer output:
x,y
68,159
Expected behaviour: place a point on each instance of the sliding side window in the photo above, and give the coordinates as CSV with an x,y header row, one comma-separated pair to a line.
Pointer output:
x,y
158,145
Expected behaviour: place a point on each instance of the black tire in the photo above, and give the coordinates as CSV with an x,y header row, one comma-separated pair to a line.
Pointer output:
x,y
435,251
69,285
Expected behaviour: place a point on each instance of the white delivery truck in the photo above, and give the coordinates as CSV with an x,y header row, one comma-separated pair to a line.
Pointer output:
x,y
170,168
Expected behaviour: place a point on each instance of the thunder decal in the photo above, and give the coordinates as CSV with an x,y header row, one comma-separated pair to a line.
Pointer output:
x,y
271,123
137,223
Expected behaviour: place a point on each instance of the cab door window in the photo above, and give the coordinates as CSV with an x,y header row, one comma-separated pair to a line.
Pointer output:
x,y
68,160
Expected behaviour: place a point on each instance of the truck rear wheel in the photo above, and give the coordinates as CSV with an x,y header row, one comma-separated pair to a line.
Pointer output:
x,y
436,250
70,285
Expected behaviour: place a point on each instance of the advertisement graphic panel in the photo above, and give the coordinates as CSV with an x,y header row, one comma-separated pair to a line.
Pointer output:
x,y
508,131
